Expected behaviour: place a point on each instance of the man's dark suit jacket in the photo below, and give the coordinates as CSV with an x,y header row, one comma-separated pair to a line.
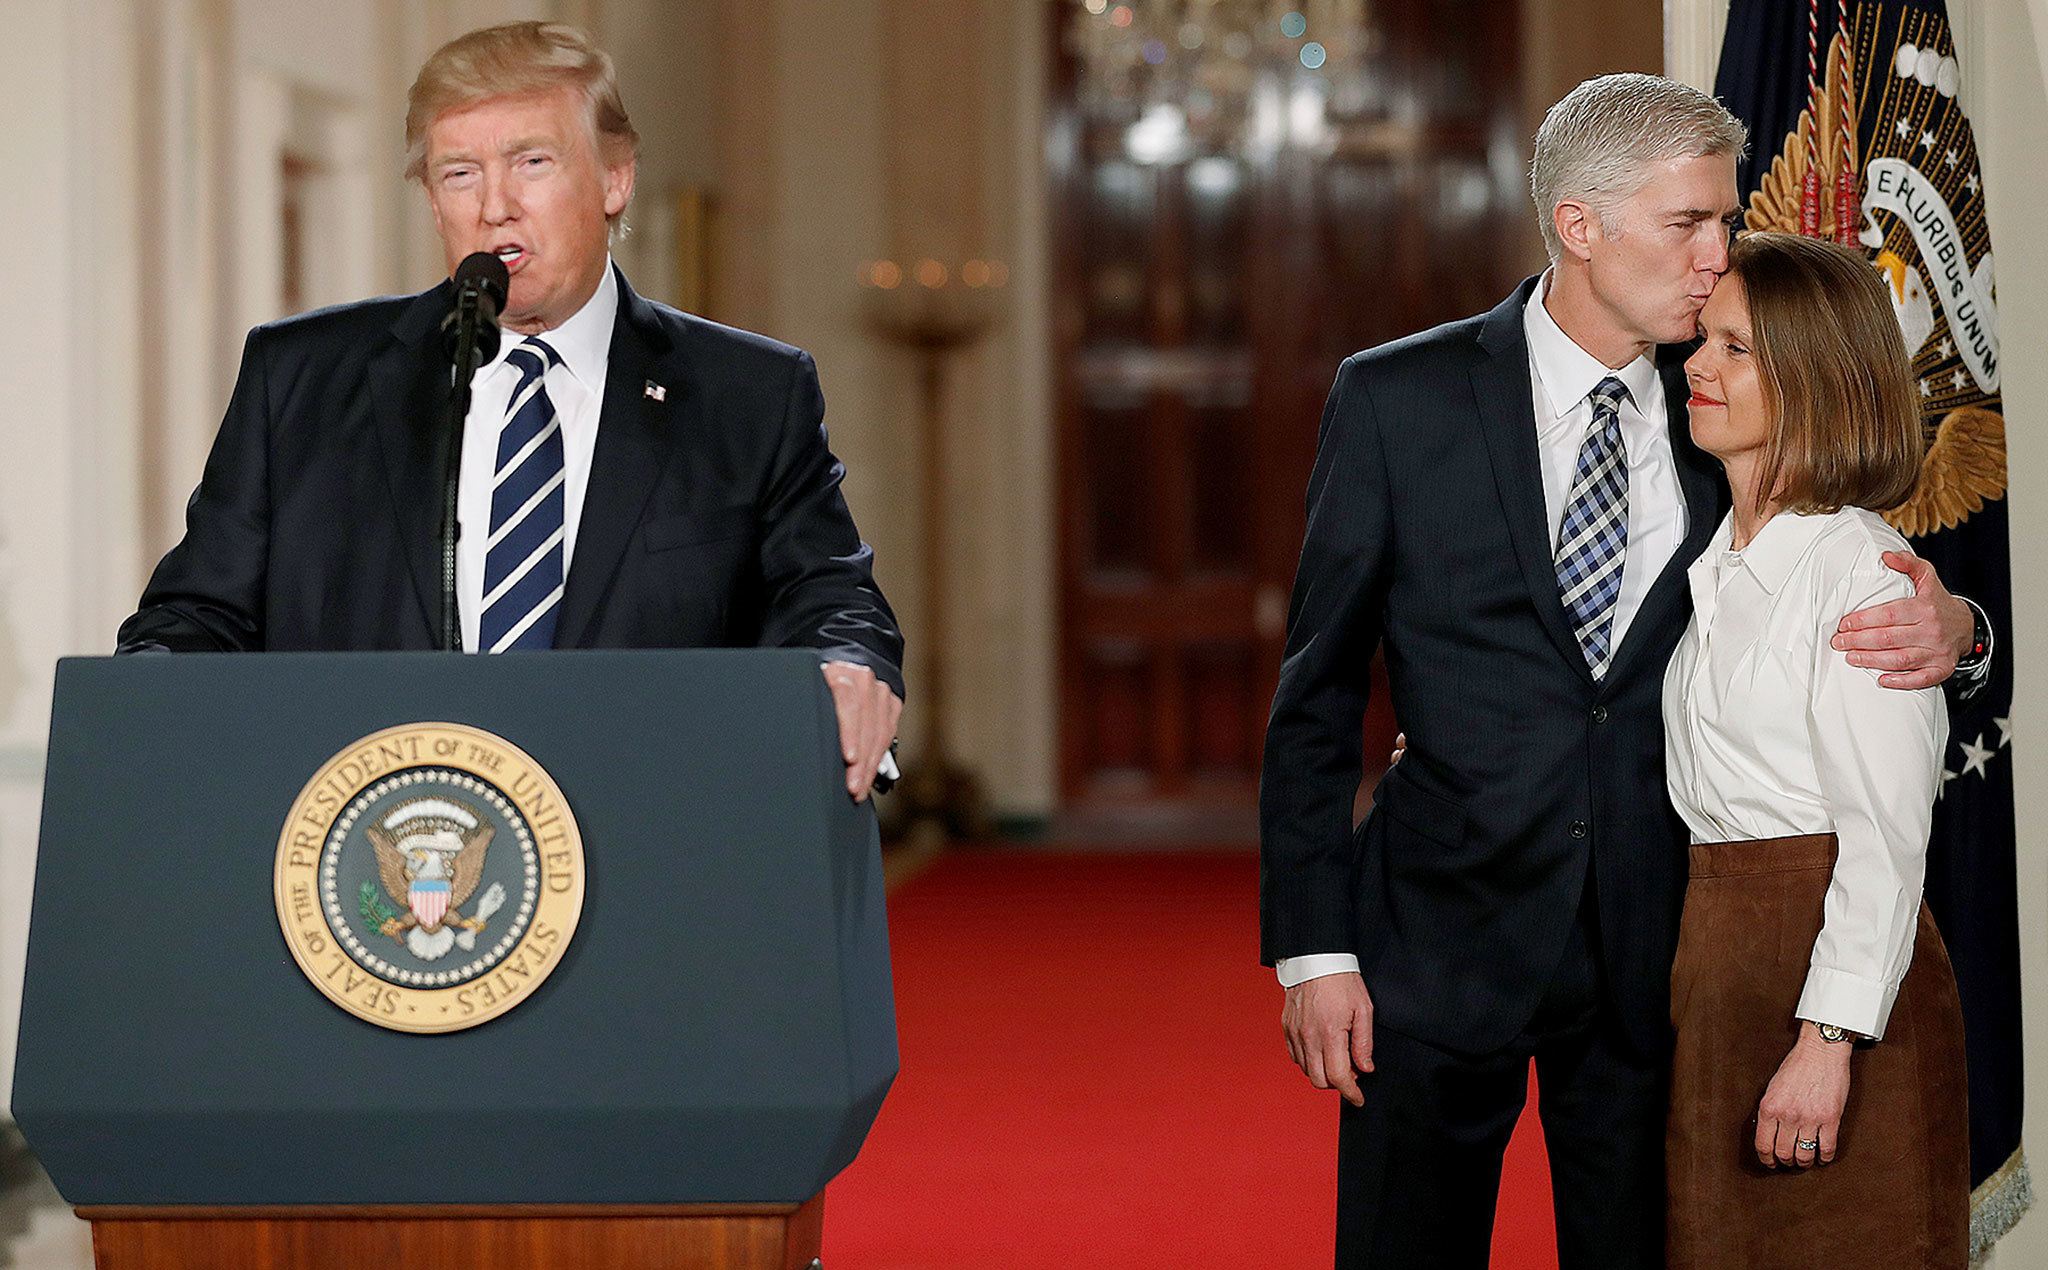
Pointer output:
x,y
713,518
1427,531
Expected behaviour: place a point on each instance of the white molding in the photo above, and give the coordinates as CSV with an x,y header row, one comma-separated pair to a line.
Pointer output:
x,y
1692,40
1026,464
2038,10
261,120
2002,92
183,173
1966,27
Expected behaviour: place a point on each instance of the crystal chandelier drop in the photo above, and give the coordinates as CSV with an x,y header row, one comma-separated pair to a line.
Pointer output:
x,y
1202,73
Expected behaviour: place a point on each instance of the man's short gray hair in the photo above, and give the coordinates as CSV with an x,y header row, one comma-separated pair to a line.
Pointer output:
x,y
1599,143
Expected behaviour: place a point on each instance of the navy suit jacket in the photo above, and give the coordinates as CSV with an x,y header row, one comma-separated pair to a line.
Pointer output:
x,y
1427,534
713,517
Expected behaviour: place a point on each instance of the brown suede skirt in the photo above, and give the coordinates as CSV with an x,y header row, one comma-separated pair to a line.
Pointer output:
x,y
1898,1192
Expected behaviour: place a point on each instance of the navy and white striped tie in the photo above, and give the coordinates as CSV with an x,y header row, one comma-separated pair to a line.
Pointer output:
x,y
523,562
1592,543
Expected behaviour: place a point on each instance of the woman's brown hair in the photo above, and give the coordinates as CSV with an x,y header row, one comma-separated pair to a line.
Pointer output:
x,y
1836,371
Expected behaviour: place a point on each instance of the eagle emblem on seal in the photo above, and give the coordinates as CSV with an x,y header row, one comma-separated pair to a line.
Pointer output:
x,y
1919,128
430,857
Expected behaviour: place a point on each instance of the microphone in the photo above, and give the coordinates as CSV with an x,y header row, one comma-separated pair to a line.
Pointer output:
x,y
470,335
472,323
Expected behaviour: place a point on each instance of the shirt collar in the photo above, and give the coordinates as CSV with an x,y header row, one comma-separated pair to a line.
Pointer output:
x,y
1781,544
583,342
1569,373
1776,550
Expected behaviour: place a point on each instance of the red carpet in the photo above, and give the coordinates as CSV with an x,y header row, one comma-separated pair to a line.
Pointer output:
x,y
1093,1076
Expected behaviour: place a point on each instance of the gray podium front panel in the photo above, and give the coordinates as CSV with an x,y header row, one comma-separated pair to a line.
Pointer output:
x,y
720,1029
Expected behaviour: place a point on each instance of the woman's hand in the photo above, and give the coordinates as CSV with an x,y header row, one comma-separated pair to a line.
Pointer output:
x,y
1804,1103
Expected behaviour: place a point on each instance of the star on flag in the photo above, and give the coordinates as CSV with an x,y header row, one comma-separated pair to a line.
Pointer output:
x,y
1948,348
1952,158
2004,731
1926,389
1975,755
1926,141
1957,379
1972,182
1905,130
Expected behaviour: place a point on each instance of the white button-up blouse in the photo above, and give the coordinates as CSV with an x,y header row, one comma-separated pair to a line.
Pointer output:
x,y
1769,732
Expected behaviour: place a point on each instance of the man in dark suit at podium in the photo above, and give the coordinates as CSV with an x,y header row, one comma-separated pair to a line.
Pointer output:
x,y
631,476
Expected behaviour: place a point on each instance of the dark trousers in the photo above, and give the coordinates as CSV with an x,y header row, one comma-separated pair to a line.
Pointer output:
x,y
1418,1167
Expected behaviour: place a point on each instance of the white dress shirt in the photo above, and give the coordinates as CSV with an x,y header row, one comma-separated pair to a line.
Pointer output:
x,y
575,387
1562,377
1769,732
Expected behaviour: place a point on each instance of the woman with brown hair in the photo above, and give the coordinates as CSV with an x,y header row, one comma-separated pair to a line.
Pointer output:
x,y
1817,1102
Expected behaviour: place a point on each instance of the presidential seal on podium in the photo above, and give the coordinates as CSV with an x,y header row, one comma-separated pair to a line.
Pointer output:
x,y
428,877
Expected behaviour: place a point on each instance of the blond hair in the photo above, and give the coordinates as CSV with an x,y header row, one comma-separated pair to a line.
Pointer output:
x,y
1834,368
1598,144
511,60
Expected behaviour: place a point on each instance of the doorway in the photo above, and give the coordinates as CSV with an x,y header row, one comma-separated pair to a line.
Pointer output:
x,y
1244,193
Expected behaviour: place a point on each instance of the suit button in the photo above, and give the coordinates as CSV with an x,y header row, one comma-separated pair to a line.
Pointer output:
x,y
1578,828
1599,714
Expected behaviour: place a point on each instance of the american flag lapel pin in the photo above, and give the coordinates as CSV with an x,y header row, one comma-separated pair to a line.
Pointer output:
x,y
656,392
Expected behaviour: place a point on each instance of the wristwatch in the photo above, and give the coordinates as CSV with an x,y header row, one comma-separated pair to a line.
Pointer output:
x,y
1980,641
1832,1033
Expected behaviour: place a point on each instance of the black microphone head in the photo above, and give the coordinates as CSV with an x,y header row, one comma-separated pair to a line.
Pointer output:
x,y
481,281
486,274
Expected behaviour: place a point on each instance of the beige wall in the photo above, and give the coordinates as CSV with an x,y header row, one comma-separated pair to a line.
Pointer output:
x,y
885,128
1565,42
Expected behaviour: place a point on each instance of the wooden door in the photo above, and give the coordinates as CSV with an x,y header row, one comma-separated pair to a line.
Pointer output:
x,y
1232,217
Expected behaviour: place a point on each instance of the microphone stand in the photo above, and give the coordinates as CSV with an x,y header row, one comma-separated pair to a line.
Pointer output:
x,y
466,321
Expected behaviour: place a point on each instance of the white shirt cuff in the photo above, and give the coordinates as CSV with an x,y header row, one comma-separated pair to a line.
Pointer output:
x,y
1293,970
1850,1002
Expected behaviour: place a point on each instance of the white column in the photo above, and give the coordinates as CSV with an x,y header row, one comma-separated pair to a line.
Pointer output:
x,y
826,88
1692,40
346,260
262,118
69,489
180,178
1008,721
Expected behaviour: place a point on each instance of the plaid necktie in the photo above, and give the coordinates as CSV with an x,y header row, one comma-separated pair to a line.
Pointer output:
x,y
523,561
1593,540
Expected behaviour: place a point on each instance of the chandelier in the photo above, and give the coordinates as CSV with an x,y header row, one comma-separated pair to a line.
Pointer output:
x,y
1212,73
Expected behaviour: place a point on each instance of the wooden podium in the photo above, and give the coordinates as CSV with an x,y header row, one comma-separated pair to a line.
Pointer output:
x,y
461,1237
706,1049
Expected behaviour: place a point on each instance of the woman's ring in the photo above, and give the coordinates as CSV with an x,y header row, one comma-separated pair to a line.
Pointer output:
x,y
1807,1144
